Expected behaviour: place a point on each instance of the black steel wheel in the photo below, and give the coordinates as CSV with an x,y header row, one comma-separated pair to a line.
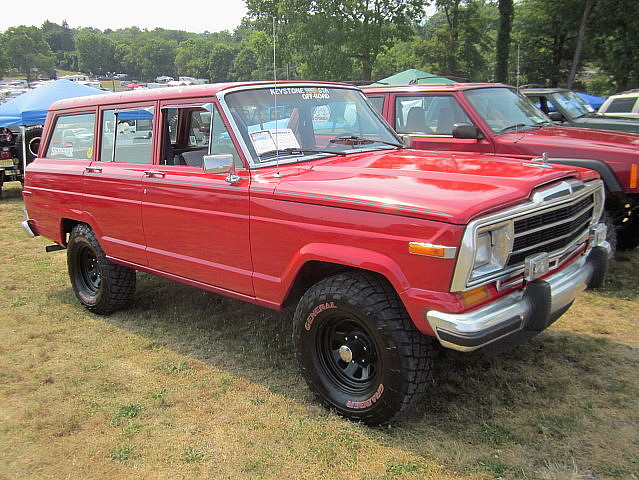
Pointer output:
x,y
358,350
101,286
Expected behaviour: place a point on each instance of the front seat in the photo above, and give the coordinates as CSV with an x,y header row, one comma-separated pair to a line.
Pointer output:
x,y
416,120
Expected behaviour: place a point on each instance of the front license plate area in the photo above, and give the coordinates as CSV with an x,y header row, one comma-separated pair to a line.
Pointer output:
x,y
536,266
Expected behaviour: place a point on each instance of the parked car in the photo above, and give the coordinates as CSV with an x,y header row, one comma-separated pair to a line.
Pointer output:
x,y
494,119
10,170
570,110
298,194
621,105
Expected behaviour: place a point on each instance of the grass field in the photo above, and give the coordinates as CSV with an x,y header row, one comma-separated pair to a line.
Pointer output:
x,y
186,384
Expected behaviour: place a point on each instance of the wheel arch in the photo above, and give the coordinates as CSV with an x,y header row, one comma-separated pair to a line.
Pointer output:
x,y
315,262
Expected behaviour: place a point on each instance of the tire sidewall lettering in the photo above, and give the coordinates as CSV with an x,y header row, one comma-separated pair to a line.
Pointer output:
x,y
356,405
315,312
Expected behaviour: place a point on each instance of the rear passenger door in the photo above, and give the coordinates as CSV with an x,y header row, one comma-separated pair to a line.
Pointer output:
x,y
113,182
196,224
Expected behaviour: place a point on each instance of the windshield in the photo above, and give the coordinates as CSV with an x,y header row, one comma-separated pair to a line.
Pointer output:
x,y
572,103
295,123
503,110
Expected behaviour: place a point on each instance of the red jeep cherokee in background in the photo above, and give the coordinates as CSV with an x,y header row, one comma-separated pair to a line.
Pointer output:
x,y
494,119
298,194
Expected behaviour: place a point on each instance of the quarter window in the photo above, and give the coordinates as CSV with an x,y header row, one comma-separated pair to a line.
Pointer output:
x,y
621,105
72,137
127,135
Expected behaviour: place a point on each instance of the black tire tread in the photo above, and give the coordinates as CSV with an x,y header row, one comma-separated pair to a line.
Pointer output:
x,y
377,297
119,282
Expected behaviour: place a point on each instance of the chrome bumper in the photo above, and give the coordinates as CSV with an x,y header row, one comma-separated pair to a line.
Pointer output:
x,y
530,310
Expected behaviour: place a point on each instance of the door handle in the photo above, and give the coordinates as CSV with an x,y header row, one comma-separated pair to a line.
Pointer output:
x,y
93,170
151,173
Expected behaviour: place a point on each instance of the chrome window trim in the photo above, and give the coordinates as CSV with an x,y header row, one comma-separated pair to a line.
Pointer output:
x,y
542,199
283,161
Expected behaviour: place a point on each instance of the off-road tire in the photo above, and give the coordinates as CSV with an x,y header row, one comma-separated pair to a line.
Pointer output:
x,y
101,286
391,363
611,233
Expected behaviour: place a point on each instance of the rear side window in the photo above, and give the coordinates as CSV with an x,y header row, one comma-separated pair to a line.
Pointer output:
x,y
72,137
377,103
127,135
621,105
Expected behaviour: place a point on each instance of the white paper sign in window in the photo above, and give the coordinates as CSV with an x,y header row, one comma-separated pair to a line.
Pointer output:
x,y
273,139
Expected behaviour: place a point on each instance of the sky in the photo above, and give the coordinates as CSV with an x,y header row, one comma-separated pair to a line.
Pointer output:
x,y
189,15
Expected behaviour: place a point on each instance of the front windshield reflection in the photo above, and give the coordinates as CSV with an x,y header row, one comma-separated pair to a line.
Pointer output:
x,y
504,111
294,123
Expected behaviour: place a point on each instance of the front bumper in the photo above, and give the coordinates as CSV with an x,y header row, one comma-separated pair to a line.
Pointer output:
x,y
515,318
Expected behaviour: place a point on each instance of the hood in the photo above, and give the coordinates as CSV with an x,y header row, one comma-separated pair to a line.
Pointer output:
x,y
577,138
453,188
607,123
616,149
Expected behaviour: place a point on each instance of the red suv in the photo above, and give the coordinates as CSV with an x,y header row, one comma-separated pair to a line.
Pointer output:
x,y
494,119
299,194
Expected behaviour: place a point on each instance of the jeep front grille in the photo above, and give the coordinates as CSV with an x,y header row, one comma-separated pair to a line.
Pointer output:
x,y
551,230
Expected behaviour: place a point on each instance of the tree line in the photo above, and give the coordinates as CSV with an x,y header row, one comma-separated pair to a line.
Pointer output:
x,y
588,43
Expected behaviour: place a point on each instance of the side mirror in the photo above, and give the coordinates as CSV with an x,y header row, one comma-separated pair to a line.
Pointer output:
x,y
556,116
465,130
224,163
217,163
407,140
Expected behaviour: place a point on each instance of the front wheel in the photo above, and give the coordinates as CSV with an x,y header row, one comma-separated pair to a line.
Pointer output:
x,y
358,350
101,286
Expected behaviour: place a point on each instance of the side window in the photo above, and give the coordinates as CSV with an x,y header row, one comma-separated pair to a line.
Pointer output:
x,y
127,135
72,137
621,105
191,132
377,103
429,115
221,141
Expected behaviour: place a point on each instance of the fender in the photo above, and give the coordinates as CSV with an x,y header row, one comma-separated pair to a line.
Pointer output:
x,y
603,169
343,255
81,217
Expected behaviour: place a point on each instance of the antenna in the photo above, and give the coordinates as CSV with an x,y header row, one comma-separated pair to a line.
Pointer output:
x,y
277,153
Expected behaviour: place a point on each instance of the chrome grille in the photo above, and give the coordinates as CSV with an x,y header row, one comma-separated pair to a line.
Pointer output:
x,y
551,230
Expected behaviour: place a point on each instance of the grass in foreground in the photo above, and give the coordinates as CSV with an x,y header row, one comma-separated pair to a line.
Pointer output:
x,y
185,384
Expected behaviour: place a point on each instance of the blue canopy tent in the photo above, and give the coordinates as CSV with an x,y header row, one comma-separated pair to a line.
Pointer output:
x,y
31,107
594,101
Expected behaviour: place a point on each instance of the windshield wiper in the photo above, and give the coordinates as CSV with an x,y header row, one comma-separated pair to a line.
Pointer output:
x,y
513,127
357,140
300,151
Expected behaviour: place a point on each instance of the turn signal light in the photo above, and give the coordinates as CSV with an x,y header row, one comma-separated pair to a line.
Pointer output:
x,y
633,175
474,296
441,251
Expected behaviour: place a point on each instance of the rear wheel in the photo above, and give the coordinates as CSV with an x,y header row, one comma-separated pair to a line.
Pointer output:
x,y
100,285
358,349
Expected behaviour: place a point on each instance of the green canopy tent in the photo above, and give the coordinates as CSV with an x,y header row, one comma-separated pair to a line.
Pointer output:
x,y
412,76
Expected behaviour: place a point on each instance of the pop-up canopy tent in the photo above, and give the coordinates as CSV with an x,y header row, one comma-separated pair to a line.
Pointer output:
x,y
412,76
594,101
31,107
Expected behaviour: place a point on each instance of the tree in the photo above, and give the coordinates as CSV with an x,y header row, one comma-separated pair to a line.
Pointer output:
x,y
326,36
29,51
506,11
59,37
615,37
96,53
